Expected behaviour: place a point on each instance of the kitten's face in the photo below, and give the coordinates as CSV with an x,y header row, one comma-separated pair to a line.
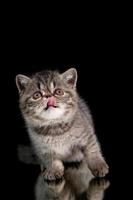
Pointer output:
x,y
48,96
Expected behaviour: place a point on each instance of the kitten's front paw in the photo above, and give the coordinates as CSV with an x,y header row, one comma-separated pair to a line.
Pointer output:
x,y
99,169
53,173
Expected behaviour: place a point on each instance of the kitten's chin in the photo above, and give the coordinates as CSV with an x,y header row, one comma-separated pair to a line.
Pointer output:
x,y
53,113
49,107
51,116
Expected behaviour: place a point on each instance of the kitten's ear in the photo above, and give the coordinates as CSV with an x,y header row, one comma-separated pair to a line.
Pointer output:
x,y
70,77
22,81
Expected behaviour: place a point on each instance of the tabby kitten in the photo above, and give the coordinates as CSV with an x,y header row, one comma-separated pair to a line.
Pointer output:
x,y
59,123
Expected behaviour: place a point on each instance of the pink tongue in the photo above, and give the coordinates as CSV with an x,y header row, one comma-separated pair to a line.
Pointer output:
x,y
51,102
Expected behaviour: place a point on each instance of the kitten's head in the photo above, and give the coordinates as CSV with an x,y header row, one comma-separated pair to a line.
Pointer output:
x,y
48,96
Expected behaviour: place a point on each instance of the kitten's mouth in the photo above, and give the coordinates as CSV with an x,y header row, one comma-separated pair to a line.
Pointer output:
x,y
52,106
51,103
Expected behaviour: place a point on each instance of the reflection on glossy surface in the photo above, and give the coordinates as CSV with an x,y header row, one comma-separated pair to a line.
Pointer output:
x,y
77,184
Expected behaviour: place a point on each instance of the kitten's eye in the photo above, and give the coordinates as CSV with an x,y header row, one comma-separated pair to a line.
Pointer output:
x,y
59,92
37,95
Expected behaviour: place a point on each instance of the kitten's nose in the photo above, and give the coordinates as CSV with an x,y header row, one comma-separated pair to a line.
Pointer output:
x,y
51,102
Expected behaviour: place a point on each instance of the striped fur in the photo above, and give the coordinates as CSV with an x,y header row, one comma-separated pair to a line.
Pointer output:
x,y
63,133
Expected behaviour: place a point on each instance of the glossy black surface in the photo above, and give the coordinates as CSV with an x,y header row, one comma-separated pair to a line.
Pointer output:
x,y
77,184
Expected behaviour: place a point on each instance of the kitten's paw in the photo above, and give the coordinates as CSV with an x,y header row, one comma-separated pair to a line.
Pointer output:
x,y
52,174
100,169
56,171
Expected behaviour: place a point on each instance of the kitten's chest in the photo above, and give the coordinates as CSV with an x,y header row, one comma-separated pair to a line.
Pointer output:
x,y
60,145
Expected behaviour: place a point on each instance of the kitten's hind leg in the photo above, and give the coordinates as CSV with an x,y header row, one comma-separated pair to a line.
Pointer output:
x,y
27,155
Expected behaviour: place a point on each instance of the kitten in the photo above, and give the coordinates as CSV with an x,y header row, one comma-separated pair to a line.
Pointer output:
x,y
59,123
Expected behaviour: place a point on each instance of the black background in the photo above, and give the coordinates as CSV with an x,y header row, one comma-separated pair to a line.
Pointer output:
x,y
97,84
99,39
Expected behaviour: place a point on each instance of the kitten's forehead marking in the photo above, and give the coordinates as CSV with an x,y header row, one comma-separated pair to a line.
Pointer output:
x,y
52,87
